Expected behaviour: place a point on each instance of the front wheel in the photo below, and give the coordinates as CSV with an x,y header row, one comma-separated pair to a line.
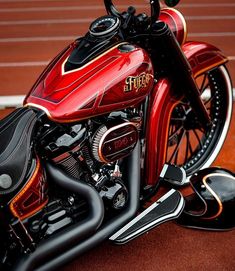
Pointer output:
x,y
189,145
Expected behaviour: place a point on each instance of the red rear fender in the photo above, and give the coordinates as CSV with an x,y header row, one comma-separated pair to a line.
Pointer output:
x,y
203,56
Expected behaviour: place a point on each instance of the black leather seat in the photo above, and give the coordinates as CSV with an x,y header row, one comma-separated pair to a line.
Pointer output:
x,y
16,132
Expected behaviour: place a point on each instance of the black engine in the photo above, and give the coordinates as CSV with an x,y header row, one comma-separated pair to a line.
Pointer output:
x,y
92,151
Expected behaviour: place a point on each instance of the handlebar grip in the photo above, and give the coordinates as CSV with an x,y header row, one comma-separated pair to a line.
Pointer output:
x,y
155,10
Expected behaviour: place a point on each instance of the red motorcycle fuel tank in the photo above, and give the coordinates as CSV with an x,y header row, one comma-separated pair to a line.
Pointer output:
x,y
120,77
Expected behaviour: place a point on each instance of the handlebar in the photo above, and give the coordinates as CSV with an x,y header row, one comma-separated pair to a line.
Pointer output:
x,y
110,8
155,8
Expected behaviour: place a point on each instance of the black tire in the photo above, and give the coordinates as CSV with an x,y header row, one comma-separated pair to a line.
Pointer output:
x,y
189,146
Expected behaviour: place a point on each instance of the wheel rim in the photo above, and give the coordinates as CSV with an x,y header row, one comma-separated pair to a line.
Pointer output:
x,y
189,146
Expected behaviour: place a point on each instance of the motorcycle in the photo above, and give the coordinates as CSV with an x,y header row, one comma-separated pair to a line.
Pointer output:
x,y
126,109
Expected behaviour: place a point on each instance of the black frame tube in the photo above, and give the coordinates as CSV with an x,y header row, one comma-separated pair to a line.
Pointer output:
x,y
167,54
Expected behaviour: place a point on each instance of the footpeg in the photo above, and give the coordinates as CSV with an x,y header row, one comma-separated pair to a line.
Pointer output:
x,y
173,175
167,208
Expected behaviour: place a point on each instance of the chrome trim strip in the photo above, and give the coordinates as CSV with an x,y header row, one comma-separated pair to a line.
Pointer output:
x,y
39,107
102,158
145,212
157,221
163,172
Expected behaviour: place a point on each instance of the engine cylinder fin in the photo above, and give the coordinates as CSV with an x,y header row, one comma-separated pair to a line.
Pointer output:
x,y
96,141
71,166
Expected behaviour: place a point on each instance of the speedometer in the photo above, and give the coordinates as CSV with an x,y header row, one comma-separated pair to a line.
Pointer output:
x,y
104,25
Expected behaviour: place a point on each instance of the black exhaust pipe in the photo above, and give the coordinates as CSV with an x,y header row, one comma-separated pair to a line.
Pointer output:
x,y
48,249
57,251
105,231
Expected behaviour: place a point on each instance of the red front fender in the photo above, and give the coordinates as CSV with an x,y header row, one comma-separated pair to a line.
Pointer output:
x,y
202,57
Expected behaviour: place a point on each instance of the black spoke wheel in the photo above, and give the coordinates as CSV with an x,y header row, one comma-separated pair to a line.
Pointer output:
x,y
189,145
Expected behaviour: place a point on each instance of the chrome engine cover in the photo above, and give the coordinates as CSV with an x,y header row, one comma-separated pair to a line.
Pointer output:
x,y
116,142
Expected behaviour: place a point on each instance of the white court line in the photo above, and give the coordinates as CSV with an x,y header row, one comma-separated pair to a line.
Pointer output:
x,y
70,38
17,100
210,17
23,64
44,63
11,101
37,9
101,7
65,8
138,5
88,20
33,39
209,34
49,21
